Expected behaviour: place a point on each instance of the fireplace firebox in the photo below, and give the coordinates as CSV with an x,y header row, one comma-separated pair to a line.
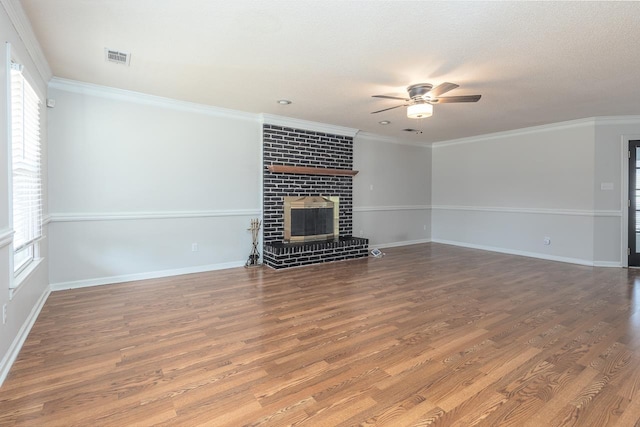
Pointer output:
x,y
311,218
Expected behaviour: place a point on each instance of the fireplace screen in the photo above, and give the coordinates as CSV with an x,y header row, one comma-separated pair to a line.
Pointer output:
x,y
308,219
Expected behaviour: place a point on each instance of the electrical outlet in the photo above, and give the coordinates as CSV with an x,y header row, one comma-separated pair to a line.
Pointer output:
x,y
194,247
4,314
547,241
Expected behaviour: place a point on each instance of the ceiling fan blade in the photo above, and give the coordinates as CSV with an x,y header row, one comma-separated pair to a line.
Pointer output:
x,y
442,88
390,97
449,99
397,106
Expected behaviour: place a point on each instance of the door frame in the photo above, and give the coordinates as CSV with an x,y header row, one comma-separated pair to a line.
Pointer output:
x,y
624,196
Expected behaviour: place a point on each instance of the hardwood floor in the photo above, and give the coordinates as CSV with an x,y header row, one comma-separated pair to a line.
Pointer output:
x,y
429,335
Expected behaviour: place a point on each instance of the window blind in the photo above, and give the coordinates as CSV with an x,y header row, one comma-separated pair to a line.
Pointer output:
x,y
25,149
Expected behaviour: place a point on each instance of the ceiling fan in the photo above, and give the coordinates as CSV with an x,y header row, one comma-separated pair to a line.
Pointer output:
x,y
423,96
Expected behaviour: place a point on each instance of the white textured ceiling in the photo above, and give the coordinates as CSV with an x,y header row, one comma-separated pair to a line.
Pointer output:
x,y
532,62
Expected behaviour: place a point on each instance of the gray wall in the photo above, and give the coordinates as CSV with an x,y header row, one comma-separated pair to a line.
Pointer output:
x,y
392,191
135,181
508,191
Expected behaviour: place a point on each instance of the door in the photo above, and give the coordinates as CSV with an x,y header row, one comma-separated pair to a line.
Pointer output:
x,y
634,204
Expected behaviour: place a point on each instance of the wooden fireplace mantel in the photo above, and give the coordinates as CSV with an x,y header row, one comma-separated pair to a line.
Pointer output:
x,y
310,171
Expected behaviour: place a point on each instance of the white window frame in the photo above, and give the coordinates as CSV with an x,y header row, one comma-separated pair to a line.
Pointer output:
x,y
20,275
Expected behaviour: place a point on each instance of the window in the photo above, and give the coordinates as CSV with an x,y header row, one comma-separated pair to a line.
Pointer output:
x,y
26,186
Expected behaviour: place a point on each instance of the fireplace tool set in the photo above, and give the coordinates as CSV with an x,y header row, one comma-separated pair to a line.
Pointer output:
x,y
254,256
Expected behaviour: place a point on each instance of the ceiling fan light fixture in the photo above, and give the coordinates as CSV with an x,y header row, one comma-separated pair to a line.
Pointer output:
x,y
420,111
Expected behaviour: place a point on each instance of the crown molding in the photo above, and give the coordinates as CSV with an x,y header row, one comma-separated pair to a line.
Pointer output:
x,y
589,121
145,99
518,132
272,119
617,120
23,27
389,140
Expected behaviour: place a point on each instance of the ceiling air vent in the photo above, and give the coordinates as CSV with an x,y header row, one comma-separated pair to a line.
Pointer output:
x,y
117,56
416,131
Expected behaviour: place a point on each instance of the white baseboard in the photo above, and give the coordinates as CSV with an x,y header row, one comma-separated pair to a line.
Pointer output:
x,y
396,244
530,254
76,284
16,345
607,264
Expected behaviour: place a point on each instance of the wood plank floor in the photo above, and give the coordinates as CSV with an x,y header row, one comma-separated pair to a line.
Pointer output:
x,y
429,335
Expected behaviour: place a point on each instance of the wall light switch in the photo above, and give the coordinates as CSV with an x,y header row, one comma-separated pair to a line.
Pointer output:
x,y
606,186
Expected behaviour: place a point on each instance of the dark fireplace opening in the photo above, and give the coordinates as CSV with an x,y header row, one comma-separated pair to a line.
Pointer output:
x,y
311,221
310,218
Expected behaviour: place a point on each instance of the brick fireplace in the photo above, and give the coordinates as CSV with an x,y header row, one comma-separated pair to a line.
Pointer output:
x,y
299,163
